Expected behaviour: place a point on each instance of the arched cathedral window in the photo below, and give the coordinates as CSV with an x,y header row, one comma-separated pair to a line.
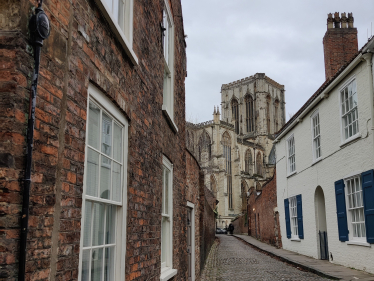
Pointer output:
x,y
259,164
204,147
249,113
276,115
235,114
268,114
244,189
248,162
226,142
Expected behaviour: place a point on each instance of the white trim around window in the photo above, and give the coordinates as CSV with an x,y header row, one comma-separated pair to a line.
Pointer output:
x,y
192,207
291,156
104,204
168,54
349,116
355,210
121,23
167,270
293,219
316,136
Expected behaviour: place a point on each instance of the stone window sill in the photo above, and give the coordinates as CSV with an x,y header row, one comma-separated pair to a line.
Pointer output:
x,y
296,239
352,138
167,273
359,243
118,32
169,119
291,174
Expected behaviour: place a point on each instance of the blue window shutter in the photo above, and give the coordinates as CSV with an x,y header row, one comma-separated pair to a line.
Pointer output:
x,y
300,225
341,211
287,215
368,190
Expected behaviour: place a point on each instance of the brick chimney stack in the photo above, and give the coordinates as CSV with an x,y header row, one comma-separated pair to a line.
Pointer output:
x,y
339,43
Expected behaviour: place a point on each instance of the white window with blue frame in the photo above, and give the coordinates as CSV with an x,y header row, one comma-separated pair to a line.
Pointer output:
x,y
355,208
294,217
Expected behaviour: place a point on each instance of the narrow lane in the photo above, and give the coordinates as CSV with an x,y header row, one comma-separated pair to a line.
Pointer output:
x,y
234,260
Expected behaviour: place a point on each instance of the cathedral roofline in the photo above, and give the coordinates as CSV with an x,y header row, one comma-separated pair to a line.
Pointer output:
x,y
251,79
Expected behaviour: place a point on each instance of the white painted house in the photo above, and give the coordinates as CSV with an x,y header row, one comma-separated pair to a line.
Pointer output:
x,y
325,159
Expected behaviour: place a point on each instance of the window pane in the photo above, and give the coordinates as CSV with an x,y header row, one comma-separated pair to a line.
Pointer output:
x,y
109,264
117,143
165,230
105,177
87,224
116,187
92,177
85,265
93,137
107,135
166,194
98,225
97,264
110,224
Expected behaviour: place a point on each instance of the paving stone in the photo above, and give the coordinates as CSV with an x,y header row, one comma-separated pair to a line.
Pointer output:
x,y
232,260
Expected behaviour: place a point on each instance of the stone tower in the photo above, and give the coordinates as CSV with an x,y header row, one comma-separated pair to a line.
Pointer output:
x,y
339,43
233,149
254,105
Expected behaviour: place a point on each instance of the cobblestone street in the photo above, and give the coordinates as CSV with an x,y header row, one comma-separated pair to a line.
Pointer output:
x,y
232,260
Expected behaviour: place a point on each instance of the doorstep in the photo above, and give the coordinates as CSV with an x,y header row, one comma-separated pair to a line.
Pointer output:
x,y
320,267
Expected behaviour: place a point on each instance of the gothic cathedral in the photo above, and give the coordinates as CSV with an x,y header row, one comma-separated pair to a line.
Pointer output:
x,y
235,150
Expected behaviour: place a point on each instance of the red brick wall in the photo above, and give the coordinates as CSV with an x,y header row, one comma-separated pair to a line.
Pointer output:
x,y
339,45
207,222
240,225
68,64
263,218
192,195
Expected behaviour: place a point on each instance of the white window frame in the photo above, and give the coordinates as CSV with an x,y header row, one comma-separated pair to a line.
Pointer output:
x,y
167,270
345,140
316,135
123,27
111,110
290,157
168,86
293,218
349,195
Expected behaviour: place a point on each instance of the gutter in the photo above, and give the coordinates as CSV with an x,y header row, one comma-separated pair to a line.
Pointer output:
x,y
323,95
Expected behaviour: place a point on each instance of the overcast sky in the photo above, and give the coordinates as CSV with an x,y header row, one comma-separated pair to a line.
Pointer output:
x,y
232,39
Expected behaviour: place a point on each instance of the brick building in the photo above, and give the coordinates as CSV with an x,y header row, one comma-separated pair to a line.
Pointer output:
x,y
263,216
108,194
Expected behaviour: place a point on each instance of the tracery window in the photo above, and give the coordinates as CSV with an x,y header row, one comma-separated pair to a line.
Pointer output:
x,y
268,114
249,113
226,141
235,114
259,164
248,162
276,115
205,152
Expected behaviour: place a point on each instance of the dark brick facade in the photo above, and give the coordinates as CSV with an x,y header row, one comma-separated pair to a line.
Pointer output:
x,y
69,63
205,204
339,43
263,216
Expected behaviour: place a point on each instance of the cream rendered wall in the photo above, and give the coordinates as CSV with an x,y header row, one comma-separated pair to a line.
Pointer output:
x,y
337,162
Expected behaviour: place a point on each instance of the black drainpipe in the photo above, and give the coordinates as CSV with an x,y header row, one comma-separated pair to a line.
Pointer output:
x,y
39,29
